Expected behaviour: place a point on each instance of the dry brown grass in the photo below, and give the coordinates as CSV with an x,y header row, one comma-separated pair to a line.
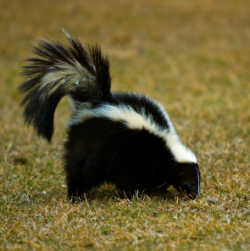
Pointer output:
x,y
193,56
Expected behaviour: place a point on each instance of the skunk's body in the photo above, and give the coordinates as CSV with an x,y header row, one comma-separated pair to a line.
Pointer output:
x,y
125,139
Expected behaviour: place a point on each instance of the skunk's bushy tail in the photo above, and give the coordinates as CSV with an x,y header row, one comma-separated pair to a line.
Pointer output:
x,y
56,71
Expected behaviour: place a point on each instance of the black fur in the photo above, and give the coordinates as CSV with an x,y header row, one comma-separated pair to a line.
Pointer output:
x,y
100,147
39,104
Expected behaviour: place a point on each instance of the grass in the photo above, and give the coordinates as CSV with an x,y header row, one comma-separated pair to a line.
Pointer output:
x,y
192,56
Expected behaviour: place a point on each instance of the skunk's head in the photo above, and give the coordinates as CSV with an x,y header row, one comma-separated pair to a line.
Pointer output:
x,y
188,179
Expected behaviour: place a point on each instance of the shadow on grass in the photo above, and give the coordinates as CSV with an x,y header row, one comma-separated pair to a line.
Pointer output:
x,y
108,192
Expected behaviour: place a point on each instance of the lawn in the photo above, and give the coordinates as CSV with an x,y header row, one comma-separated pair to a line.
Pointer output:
x,y
191,56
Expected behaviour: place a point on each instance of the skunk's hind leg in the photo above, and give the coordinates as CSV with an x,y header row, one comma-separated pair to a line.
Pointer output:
x,y
81,177
77,182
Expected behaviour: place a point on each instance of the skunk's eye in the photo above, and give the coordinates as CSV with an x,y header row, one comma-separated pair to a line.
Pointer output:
x,y
190,185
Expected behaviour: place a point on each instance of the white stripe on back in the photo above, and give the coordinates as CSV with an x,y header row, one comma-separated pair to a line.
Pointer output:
x,y
135,120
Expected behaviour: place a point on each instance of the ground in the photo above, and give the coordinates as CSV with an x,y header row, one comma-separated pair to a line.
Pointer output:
x,y
191,56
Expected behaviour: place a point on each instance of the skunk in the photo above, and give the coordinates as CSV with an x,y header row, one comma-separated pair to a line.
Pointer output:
x,y
125,139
